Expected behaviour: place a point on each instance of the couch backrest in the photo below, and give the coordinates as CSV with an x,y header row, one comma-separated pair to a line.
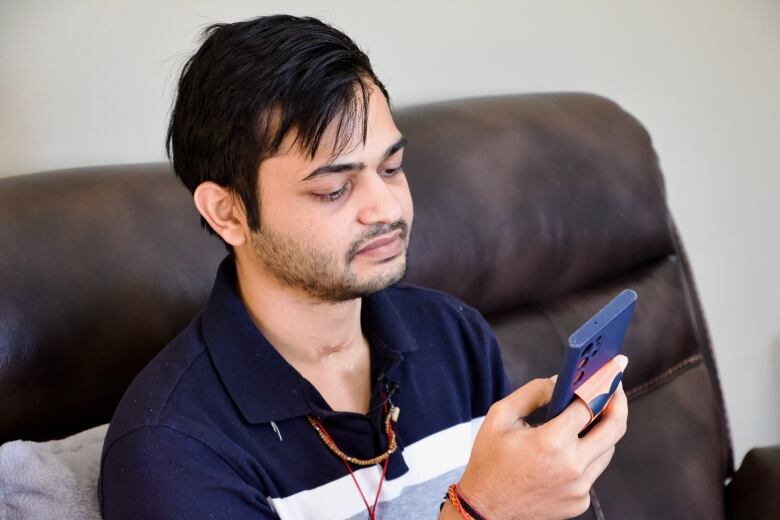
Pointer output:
x,y
536,209
101,267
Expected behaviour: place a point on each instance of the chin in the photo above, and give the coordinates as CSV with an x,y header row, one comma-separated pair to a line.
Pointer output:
x,y
392,275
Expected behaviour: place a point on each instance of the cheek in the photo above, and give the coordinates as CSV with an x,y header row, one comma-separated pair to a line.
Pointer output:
x,y
289,219
326,232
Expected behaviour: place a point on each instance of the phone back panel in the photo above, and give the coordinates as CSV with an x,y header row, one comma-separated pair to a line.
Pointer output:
x,y
590,347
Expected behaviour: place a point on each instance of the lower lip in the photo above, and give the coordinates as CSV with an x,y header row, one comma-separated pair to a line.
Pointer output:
x,y
385,251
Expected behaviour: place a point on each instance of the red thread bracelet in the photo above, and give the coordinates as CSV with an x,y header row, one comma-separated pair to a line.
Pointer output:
x,y
467,504
452,495
461,505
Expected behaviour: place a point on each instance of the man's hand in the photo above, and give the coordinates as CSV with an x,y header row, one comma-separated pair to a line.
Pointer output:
x,y
546,472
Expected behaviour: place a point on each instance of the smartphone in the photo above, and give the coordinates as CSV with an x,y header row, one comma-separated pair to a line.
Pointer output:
x,y
590,348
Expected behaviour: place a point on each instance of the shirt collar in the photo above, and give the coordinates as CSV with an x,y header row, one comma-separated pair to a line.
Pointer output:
x,y
264,386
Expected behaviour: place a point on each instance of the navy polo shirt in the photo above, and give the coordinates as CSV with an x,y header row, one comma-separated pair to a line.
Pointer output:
x,y
215,426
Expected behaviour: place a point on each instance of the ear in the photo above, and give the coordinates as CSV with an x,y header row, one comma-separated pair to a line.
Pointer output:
x,y
223,211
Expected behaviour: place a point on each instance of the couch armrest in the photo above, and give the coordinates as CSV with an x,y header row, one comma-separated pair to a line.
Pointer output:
x,y
754,492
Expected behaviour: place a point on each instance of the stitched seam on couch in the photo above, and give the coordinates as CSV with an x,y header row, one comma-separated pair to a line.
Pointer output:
x,y
658,380
702,331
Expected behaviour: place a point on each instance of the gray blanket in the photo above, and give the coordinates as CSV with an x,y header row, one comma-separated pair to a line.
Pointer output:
x,y
51,480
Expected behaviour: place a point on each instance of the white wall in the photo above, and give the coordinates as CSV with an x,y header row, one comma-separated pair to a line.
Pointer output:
x,y
88,82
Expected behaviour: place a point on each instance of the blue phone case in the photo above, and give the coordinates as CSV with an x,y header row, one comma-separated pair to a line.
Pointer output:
x,y
590,347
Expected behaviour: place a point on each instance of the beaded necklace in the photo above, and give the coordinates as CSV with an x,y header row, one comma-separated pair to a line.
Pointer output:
x,y
391,417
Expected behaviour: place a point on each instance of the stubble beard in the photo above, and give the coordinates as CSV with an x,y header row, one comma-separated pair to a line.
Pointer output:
x,y
319,273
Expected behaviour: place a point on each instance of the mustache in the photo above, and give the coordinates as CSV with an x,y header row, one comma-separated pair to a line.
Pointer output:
x,y
380,230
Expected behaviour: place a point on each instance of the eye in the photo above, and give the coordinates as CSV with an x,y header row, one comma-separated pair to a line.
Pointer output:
x,y
333,195
392,171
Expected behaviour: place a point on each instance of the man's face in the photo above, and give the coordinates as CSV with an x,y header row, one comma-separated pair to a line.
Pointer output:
x,y
337,227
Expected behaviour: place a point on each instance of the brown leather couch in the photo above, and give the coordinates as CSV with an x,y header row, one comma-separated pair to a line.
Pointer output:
x,y
536,209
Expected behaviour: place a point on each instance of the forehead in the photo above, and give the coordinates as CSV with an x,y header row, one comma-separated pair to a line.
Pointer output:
x,y
381,132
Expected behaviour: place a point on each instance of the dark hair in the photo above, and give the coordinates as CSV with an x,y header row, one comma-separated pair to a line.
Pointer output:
x,y
252,82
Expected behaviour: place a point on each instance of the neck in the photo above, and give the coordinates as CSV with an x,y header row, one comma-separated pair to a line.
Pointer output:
x,y
323,341
306,331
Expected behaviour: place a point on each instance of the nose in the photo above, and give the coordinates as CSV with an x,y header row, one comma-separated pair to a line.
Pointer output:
x,y
378,203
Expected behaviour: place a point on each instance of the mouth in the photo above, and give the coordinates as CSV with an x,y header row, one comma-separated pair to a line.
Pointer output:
x,y
383,247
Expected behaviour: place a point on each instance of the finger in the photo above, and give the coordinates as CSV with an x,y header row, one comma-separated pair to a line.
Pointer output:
x,y
521,403
611,427
594,470
571,420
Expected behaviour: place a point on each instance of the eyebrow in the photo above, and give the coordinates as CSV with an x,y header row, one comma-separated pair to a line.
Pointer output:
x,y
348,167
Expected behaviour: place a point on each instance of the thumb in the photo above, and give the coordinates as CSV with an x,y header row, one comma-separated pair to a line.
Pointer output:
x,y
521,403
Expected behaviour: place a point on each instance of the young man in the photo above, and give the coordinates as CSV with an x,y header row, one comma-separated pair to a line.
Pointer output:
x,y
313,384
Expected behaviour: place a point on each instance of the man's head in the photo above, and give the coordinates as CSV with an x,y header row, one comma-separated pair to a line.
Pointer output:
x,y
284,135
